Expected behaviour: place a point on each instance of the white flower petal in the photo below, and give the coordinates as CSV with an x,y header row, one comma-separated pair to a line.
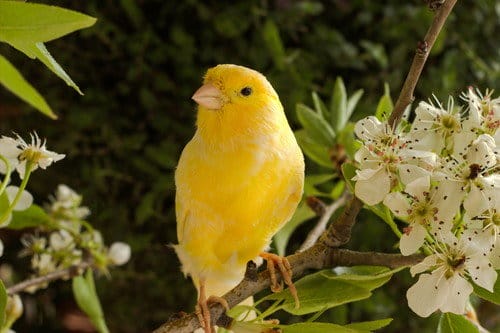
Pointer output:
x,y
411,241
481,272
25,200
458,290
475,202
418,187
447,198
397,203
424,297
409,173
424,265
373,190
1,248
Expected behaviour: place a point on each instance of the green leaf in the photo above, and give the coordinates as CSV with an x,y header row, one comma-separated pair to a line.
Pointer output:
x,y
302,213
318,328
353,101
315,152
319,106
494,296
38,50
311,180
326,289
87,299
453,323
338,105
370,325
273,41
3,303
346,138
33,216
316,126
28,22
15,82
349,171
4,203
385,105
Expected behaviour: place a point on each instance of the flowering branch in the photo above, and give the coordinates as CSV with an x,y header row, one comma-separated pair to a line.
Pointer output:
x,y
325,253
423,49
316,257
56,275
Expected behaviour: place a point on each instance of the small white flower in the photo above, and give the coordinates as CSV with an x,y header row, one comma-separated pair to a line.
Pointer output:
x,y
119,253
66,204
434,127
384,160
426,209
43,263
61,240
34,152
446,287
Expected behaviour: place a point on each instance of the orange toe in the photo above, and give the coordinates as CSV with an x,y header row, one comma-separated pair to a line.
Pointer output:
x,y
273,261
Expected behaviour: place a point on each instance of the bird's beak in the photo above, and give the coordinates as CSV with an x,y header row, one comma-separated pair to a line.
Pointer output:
x,y
208,96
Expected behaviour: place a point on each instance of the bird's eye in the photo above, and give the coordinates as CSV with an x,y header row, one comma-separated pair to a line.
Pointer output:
x,y
247,91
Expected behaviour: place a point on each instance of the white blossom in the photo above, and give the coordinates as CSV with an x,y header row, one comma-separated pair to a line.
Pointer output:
x,y
384,160
434,126
447,286
119,253
25,201
34,152
426,208
61,240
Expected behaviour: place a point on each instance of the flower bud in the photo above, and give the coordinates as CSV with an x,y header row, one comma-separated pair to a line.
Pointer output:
x,y
119,253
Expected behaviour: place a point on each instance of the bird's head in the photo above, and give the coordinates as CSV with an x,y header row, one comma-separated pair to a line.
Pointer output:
x,y
235,100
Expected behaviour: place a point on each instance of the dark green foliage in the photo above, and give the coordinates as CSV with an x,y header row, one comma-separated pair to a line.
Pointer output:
x,y
139,65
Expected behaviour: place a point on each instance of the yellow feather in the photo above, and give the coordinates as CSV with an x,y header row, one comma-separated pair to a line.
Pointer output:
x,y
238,181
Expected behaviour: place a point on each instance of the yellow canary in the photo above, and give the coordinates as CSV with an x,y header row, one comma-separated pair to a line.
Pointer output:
x,y
238,180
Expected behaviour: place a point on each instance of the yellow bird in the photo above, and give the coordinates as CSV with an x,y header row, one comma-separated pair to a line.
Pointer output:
x,y
238,181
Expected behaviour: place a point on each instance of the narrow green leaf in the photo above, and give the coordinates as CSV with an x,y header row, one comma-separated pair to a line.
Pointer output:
x,y
338,105
34,216
316,126
4,203
87,299
453,323
352,102
318,328
494,296
319,106
302,214
15,82
30,22
3,303
311,180
315,152
38,50
346,138
273,41
385,105
370,325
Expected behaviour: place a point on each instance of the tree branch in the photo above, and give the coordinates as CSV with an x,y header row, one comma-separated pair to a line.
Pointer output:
x,y
56,275
320,227
316,257
422,52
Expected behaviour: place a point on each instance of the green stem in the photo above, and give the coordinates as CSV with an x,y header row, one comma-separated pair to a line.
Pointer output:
x,y
6,179
26,177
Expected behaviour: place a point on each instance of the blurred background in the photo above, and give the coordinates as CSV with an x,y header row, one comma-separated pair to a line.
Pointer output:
x,y
138,67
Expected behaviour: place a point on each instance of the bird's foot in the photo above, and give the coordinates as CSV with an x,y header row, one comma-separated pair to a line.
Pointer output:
x,y
202,309
275,261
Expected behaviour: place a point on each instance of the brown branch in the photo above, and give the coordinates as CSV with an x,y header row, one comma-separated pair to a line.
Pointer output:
x,y
423,48
56,275
320,227
317,257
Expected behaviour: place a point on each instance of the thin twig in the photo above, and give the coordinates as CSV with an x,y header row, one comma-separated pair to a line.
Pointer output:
x,y
422,52
317,257
56,275
320,227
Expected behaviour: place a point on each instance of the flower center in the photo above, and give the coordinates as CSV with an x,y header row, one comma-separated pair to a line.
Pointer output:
x,y
474,171
31,155
422,212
